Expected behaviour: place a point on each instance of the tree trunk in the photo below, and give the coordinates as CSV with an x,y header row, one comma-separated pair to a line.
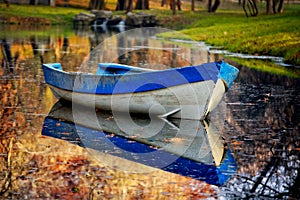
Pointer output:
x,y
33,2
214,7
146,4
274,4
193,5
254,10
277,6
142,5
97,4
121,5
209,5
280,6
268,6
178,4
173,6
130,6
52,2
250,7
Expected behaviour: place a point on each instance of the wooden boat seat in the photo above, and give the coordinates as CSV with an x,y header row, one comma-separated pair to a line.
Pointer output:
x,y
112,68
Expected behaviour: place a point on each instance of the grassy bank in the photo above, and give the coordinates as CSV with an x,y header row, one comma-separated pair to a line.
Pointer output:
x,y
276,35
27,14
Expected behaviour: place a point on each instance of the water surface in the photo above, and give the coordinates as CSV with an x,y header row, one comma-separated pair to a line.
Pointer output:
x,y
259,125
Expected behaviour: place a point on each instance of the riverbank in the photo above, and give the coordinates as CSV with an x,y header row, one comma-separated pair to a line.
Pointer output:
x,y
275,35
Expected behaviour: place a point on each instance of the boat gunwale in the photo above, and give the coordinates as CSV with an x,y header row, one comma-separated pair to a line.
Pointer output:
x,y
141,80
143,71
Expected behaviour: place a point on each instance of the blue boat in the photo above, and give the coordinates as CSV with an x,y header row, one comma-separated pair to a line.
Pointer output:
x,y
186,147
189,92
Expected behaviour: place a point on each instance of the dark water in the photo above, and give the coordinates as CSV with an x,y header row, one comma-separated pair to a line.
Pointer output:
x,y
259,128
262,127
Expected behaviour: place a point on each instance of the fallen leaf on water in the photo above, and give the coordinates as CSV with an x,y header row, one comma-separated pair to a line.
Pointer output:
x,y
237,143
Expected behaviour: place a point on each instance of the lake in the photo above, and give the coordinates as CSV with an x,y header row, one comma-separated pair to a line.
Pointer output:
x,y
249,148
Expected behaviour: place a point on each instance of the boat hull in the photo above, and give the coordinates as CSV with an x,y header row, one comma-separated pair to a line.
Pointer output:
x,y
192,101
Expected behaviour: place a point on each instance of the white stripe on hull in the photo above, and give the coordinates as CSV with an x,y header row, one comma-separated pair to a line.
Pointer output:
x,y
191,100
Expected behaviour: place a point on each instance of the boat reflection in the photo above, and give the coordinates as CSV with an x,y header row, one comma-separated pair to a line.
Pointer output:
x,y
186,147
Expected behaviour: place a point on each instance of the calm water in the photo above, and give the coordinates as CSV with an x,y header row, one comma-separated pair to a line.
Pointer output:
x,y
44,155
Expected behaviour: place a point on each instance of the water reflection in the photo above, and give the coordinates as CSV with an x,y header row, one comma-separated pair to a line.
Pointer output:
x,y
73,48
261,127
141,48
184,147
8,61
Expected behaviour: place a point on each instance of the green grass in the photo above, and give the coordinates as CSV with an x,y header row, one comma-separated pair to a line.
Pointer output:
x,y
26,14
276,35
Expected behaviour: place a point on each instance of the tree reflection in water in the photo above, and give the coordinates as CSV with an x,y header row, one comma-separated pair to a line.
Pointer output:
x,y
33,166
262,129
